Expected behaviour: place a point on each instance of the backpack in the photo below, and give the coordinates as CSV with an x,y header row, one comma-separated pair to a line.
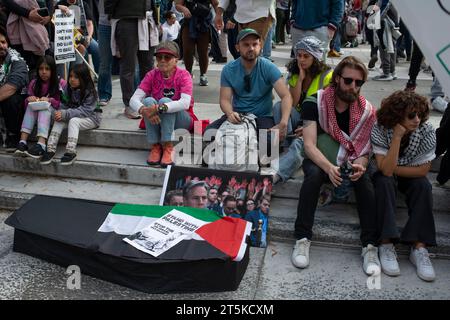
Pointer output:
x,y
351,27
236,146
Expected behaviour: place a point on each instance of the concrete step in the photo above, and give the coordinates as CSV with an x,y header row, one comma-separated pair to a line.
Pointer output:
x,y
129,166
336,224
16,189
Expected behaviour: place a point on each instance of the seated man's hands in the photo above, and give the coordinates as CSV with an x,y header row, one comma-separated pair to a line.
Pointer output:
x,y
334,173
282,127
234,117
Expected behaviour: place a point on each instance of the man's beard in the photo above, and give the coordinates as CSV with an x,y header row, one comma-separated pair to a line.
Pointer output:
x,y
252,58
348,97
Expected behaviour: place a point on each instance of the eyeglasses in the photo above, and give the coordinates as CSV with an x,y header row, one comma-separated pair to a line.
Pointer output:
x,y
413,115
250,204
165,57
348,81
247,83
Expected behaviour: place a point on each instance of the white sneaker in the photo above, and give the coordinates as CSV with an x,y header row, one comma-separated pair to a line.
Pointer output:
x,y
388,260
131,114
300,255
439,104
371,263
383,77
421,259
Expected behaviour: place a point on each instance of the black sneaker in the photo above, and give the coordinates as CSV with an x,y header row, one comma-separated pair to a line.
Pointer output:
x,y
372,62
36,151
68,158
47,157
21,149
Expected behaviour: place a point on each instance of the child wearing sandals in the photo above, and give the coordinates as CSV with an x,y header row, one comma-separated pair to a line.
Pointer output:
x,y
78,112
45,88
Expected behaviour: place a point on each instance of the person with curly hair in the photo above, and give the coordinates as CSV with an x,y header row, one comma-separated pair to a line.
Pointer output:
x,y
404,145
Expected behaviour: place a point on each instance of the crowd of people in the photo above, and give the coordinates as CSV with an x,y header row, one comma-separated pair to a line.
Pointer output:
x,y
326,126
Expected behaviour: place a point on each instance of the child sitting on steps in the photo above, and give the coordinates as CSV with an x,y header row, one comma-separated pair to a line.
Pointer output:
x,y
46,87
78,112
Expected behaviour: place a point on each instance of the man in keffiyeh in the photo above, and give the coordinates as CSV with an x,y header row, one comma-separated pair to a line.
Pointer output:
x,y
346,118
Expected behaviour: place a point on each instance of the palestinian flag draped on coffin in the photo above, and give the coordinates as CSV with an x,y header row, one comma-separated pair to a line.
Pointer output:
x,y
90,234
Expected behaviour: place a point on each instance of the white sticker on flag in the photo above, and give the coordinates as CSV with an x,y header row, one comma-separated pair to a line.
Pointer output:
x,y
165,232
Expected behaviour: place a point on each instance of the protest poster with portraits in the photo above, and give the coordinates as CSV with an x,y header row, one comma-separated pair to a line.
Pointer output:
x,y
243,195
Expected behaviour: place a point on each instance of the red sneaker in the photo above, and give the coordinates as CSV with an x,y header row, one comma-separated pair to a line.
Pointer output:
x,y
154,158
168,154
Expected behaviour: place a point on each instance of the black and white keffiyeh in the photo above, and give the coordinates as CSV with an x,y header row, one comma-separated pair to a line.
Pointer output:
x,y
12,56
420,149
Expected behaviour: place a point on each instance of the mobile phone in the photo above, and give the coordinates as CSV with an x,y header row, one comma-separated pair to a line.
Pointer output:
x,y
43,12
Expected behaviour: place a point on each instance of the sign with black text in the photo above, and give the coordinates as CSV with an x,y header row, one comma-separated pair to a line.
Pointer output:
x,y
64,45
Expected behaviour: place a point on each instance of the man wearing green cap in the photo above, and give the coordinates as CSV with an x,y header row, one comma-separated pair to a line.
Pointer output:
x,y
246,86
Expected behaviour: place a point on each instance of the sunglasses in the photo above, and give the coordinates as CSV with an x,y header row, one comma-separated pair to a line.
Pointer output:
x,y
247,83
348,81
165,57
250,204
413,115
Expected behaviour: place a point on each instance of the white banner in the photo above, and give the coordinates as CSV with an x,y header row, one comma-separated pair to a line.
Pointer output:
x,y
429,24
64,45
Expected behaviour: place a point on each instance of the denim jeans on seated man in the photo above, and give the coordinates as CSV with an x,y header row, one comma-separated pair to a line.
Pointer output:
x,y
290,161
169,122
293,123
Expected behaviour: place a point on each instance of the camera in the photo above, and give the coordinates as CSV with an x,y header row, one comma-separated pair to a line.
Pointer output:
x,y
346,170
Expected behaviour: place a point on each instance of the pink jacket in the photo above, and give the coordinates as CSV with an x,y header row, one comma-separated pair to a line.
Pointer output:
x,y
31,35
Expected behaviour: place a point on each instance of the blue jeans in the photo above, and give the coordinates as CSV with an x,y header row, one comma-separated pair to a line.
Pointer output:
x,y
104,75
169,122
292,160
294,119
267,49
94,51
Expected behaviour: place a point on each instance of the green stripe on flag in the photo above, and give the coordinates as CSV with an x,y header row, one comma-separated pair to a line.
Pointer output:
x,y
158,211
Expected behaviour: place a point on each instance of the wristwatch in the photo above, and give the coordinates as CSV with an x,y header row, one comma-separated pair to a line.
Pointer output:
x,y
162,108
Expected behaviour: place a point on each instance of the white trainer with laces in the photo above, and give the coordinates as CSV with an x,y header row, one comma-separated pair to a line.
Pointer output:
x,y
388,260
371,263
421,259
300,255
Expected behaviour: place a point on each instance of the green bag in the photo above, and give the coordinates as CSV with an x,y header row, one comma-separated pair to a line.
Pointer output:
x,y
328,146
325,143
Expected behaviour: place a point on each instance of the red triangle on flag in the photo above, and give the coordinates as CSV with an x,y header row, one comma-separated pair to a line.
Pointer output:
x,y
227,234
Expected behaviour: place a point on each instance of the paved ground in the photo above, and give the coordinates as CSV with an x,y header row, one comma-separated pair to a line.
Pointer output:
x,y
335,272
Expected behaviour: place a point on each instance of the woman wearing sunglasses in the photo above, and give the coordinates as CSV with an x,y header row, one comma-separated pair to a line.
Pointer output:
x,y
404,145
308,73
164,99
